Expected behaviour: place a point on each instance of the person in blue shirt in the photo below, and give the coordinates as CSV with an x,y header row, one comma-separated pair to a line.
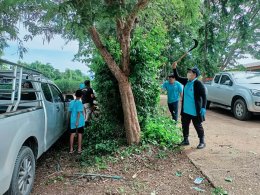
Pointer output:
x,y
174,92
77,122
193,104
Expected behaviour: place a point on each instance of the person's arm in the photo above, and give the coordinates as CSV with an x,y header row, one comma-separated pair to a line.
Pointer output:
x,y
79,110
181,91
182,80
91,93
91,96
77,121
69,115
203,95
163,86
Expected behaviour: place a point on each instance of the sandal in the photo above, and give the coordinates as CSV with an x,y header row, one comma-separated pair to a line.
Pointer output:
x,y
79,151
71,152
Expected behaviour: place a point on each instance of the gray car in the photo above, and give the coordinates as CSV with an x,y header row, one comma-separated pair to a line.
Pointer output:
x,y
32,117
237,91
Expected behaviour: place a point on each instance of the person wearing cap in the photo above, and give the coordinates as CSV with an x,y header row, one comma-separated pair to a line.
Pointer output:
x,y
87,100
193,104
174,92
81,86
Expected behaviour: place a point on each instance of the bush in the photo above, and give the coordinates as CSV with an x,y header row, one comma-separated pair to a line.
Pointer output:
x,y
162,131
103,137
144,64
107,134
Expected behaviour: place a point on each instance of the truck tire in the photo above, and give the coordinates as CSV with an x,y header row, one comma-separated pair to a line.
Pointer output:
x,y
208,104
24,173
240,110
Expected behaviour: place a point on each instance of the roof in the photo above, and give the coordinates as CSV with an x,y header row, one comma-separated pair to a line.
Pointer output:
x,y
252,64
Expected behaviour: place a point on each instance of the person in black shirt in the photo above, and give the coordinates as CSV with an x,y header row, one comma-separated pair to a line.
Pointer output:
x,y
87,100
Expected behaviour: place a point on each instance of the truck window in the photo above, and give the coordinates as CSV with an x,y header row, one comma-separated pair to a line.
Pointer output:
x,y
25,95
57,96
216,79
225,79
47,92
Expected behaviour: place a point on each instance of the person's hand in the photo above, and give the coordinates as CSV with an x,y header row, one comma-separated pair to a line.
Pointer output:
x,y
174,65
77,124
203,112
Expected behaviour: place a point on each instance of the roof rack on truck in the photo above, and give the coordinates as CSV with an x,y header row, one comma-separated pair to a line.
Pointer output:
x,y
12,77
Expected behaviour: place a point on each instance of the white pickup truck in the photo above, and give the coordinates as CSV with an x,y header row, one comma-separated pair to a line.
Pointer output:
x,y
32,117
237,91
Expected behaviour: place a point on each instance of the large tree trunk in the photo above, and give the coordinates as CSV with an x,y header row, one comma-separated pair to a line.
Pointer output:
x,y
130,114
131,123
124,28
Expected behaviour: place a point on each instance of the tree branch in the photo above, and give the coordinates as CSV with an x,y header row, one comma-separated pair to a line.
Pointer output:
x,y
116,71
124,30
230,54
141,4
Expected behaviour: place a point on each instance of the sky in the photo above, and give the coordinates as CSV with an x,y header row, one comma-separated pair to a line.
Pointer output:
x,y
56,52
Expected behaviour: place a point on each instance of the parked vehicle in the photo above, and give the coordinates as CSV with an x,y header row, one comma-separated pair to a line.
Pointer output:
x,y
32,117
237,91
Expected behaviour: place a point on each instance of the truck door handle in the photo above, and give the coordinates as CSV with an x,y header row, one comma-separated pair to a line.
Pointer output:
x,y
58,108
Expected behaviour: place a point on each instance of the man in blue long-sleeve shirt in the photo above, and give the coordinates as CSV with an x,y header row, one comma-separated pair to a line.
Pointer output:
x,y
193,104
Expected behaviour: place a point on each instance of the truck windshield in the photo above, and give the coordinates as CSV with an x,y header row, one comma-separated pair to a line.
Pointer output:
x,y
247,78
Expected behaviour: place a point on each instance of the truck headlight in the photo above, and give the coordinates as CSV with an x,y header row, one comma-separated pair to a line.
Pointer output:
x,y
255,92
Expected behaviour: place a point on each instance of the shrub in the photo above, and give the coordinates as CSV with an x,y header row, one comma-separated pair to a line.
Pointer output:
x,y
161,130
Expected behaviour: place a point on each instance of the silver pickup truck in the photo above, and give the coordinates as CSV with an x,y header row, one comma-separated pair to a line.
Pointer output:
x,y
32,117
237,91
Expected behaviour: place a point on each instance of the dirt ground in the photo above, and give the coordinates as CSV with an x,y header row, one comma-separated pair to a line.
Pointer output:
x,y
232,151
142,174
150,173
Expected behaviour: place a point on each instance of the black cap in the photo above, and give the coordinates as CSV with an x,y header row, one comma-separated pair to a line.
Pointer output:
x,y
195,70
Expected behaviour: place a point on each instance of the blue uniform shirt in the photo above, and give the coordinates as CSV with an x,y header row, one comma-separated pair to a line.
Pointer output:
x,y
75,107
189,100
173,91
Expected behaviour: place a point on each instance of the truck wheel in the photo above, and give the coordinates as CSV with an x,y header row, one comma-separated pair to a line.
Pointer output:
x,y
240,110
24,172
208,104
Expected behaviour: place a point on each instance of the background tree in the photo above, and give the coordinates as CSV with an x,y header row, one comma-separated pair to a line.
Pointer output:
x,y
67,81
226,31
10,13
230,30
101,19
181,32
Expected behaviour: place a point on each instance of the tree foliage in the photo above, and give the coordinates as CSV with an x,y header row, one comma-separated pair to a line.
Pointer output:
x,y
145,61
10,13
230,29
226,30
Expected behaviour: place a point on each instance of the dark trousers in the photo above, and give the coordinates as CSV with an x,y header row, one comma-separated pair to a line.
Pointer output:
x,y
185,120
173,107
